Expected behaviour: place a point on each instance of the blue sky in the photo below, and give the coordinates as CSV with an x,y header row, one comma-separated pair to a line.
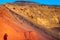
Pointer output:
x,y
5,1
51,2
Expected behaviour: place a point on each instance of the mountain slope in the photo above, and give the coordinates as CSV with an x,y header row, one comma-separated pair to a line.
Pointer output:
x,y
28,20
47,16
14,31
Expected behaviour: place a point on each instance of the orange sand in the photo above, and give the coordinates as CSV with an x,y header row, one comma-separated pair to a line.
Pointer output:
x,y
7,25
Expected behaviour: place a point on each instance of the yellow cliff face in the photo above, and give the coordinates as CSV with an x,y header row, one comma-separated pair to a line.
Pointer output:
x,y
43,15
47,16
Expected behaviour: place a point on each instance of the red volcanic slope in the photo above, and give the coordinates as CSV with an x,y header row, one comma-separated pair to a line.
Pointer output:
x,y
13,30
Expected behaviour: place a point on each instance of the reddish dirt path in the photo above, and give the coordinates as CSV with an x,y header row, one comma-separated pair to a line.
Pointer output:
x,y
13,30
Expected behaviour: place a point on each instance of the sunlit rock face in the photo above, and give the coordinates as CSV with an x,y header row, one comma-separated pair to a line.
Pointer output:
x,y
46,15
29,21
